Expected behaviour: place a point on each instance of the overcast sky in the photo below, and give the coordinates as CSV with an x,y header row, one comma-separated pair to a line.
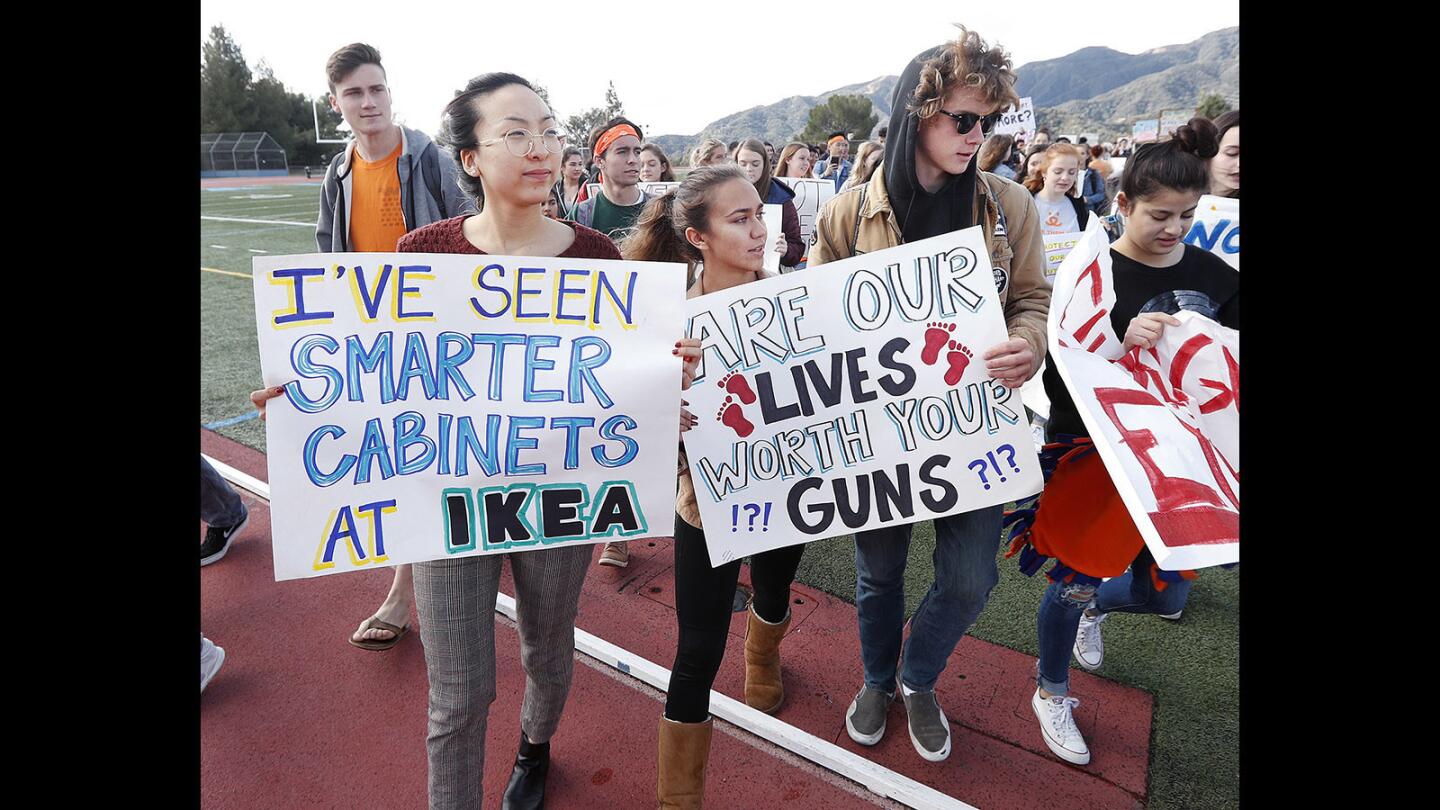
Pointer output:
x,y
677,66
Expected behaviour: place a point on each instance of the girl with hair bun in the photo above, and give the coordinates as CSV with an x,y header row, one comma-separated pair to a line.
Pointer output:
x,y
714,216
1155,276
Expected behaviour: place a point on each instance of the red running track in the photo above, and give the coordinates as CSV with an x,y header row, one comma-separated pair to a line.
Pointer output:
x,y
299,718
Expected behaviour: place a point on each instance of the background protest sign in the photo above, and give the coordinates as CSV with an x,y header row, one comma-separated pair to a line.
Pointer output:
x,y
1019,123
446,405
1217,228
1057,247
853,396
653,189
1171,120
1165,421
811,194
1118,165
1145,131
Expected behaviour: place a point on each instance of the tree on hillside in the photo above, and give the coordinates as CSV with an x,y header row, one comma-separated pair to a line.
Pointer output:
x,y
851,114
1211,106
224,84
578,126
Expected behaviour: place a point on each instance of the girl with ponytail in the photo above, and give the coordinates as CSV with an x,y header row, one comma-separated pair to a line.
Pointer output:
x,y
1155,276
714,217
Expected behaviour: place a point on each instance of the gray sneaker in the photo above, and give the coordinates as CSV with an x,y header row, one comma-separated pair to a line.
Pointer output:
x,y
929,730
866,718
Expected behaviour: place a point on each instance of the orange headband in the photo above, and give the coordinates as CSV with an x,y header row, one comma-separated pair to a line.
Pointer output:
x,y
613,134
834,139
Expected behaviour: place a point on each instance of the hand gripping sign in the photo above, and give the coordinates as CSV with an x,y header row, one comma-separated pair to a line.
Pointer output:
x,y
1165,421
445,405
852,396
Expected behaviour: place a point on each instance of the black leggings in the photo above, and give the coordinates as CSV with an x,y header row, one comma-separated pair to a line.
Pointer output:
x,y
704,602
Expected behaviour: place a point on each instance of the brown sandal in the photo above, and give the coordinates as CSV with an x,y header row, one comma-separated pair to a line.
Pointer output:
x,y
376,645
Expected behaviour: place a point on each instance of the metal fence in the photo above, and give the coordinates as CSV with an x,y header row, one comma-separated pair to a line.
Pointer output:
x,y
247,152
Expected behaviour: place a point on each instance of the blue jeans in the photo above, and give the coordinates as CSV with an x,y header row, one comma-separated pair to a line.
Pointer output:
x,y
1058,619
965,572
219,504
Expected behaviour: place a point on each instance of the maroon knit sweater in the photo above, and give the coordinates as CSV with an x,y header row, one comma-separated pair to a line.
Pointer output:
x,y
446,236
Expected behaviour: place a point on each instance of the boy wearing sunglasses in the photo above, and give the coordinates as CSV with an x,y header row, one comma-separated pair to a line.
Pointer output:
x,y
947,101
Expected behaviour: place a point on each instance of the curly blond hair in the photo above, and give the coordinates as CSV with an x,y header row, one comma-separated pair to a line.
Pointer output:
x,y
968,62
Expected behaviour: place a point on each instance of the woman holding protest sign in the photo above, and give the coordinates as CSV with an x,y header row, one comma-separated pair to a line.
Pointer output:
x,y
507,143
1060,211
1080,520
715,216
754,161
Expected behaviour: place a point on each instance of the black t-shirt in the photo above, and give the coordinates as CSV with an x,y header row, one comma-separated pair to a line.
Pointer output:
x,y
1200,282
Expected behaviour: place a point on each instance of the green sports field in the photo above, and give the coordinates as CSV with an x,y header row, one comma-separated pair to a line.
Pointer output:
x,y
1190,666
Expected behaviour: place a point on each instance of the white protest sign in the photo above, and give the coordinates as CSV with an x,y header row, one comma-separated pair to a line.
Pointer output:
x,y
1171,120
852,396
774,226
1057,247
1019,122
1217,228
651,189
811,194
1118,164
446,405
1165,421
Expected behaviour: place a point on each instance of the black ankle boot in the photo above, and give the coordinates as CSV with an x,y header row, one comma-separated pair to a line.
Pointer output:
x,y
526,790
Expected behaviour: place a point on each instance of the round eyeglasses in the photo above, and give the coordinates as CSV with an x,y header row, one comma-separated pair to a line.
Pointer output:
x,y
521,142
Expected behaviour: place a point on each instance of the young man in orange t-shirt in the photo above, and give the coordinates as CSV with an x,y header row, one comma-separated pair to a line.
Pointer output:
x,y
388,181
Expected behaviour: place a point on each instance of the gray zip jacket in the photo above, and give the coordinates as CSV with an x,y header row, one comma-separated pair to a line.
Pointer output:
x,y
428,191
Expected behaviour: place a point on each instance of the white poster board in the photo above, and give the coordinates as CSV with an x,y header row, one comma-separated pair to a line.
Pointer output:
x,y
1018,122
853,396
651,189
1165,421
1057,247
811,194
448,405
1217,228
774,226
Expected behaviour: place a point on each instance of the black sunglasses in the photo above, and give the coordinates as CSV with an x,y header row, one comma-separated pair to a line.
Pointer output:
x,y
964,122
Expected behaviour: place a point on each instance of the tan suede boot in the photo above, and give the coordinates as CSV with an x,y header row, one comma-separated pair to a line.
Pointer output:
x,y
684,752
763,688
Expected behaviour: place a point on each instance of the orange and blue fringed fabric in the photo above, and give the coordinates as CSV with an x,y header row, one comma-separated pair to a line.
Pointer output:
x,y
1162,579
1079,519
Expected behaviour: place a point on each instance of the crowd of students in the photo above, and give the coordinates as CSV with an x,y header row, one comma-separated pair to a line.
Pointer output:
x,y
508,184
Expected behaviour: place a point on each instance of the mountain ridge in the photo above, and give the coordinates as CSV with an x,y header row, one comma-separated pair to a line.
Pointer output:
x,y
1087,90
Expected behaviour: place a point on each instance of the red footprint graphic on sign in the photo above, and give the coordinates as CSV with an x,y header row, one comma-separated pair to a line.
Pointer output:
x,y
734,383
935,337
959,358
732,417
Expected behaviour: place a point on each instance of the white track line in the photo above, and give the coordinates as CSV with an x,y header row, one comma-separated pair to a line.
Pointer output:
x,y
877,778
260,221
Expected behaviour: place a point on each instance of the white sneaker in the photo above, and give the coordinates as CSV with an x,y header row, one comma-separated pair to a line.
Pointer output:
x,y
1089,646
211,657
1057,725
1174,617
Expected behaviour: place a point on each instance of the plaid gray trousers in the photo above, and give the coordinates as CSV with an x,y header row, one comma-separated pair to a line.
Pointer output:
x,y
456,602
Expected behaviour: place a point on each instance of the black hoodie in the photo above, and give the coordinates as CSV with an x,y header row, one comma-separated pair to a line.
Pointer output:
x,y
921,214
